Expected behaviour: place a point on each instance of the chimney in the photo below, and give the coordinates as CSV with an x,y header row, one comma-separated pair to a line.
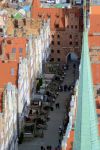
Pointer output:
x,y
24,22
16,23
3,47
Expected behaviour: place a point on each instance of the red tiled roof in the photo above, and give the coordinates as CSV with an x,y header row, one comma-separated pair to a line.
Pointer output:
x,y
16,43
96,73
95,19
9,68
6,75
95,10
53,12
94,23
94,41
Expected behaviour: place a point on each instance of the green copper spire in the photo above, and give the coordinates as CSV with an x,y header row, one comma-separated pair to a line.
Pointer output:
x,y
86,130
86,127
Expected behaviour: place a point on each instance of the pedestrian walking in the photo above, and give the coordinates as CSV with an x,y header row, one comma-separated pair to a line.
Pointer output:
x,y
58,147
59,141
42,148
57,105
65,87
74,66
66,67
49,147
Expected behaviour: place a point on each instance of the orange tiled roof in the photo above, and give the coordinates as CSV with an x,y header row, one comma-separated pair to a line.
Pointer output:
x,y
94,41
7,76
94,23
53,12
16,43
5,73
96,73
95,10
95,19
8,66
5,67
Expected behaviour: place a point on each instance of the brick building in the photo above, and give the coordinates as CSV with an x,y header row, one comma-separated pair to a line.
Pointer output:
x,y
94,50
66,29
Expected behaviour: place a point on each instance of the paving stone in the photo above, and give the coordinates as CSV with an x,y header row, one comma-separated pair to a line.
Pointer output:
x,y
56,118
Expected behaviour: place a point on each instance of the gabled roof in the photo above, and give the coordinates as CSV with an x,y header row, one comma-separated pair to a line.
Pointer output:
x,y
8,73
95,19
94,41
95,10
86,130
15,46
96,73
36,3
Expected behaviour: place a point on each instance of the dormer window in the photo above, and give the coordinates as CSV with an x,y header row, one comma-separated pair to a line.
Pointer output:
x,y
39,15
8,41
57,15
20,50
98,91
58,36
56,25
1,30
13,50
48,16
12,71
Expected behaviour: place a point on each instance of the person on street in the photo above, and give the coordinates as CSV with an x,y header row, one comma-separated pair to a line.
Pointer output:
x,y
42,148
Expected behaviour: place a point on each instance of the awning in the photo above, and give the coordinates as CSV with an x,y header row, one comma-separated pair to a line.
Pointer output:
x,y
49,76
27,8
20,14
21,1
17,16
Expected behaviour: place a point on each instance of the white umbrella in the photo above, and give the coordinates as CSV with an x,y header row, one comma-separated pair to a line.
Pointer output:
x,y
22,12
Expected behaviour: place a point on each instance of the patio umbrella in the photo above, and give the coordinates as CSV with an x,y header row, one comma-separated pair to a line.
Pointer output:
x,y
22,12
27,8
18,16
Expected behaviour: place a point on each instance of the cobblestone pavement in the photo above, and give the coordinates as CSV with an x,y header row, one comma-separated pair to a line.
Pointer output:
x,y
56,118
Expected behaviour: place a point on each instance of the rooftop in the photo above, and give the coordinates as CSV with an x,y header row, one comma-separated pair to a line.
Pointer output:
x,y
96,73
95,17
94,41
12,49
12,46
23,27
96,2
52,5
9,74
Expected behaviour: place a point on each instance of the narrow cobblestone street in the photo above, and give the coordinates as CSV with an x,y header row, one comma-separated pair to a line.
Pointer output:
x,y
56,118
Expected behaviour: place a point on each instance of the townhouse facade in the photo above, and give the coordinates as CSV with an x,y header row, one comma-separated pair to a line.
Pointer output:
x,y
24,47
8,119
23,92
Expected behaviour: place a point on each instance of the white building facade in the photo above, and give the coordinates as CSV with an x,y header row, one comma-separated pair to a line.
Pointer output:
x,y
23,92
8,119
